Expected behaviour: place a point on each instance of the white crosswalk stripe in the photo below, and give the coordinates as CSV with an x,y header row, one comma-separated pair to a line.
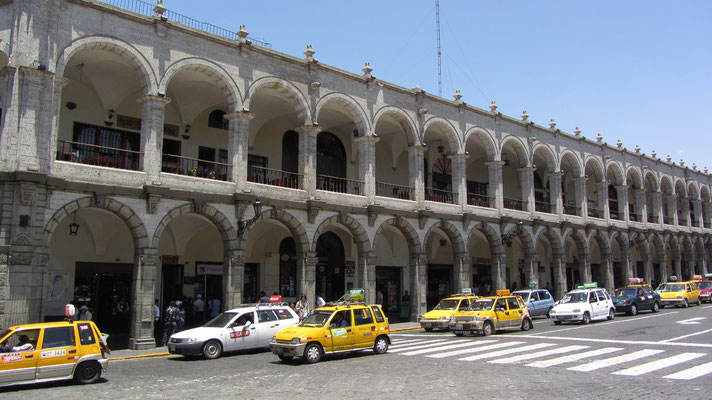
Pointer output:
x,y
538,354
659,364
507,352
609,362
692,373
399,342
460,344
573,357
475,350
430,343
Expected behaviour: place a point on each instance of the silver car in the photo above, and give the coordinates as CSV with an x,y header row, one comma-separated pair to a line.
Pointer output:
x,y
539,301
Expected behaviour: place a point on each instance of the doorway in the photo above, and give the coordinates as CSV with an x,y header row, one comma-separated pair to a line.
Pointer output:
x,y
388,289
330,267
251,283
439,284
209,284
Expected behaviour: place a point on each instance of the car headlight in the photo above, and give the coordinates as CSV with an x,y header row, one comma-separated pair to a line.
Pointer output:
x,y
189,340
477,318
295,340
447,317
679,297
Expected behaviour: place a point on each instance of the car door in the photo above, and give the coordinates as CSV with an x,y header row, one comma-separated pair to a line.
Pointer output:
x,y
58,353
515,313
364,327
342,334
535,302
267,326
242,332
19,366
500,310
593,304
601,305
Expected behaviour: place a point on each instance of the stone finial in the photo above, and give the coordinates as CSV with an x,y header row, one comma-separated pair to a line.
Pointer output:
x,y
242,34
309,53
707,171
458,97
654,154
577,131
668,158
367,70
493,106
525,116
694,166
619,144
682,162
159,9
637,148
599,138
552,124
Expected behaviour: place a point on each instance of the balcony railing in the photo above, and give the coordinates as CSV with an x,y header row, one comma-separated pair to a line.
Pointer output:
x,y
479,200
571,210
513,204
635,217
595,212
394,191
653,219
682,221
339,185
707,224
542,206
182,165
440,196
668,220
102,156
274,177
695,222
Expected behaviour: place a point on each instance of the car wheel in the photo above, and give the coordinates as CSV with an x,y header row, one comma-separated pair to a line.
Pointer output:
x,y
548,312
685,304
312,354
212,349
633,310
611,314
381,345
557,322
586,318
526,324
487,328
87,372
428,329
285,358
662,306
656,307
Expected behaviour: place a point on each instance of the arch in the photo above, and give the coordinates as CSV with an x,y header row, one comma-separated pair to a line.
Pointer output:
x,y
124,212
292,223
519,148
578,238
575,162
705,193
223,225
616,170
555,241
525,237
458,245
486,140
214,71
674,244
602,242
407,123
359,234
634,173
352,106
493,237
659,245
622,240
652,180
288,89
693,190
551,161
410,234
449,131
114,45
666,184
680,189
596,166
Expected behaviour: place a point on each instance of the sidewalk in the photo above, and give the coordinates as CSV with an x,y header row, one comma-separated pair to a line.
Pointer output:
x,y
163,351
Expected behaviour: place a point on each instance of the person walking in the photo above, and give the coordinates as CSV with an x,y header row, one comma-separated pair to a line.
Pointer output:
x,y
320,302
199,308
171,317
302,307
156,320
84,314
214,307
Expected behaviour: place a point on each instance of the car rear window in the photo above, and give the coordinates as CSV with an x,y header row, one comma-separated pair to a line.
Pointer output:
x,y
378,314
283,314
363,316
62,336
86,334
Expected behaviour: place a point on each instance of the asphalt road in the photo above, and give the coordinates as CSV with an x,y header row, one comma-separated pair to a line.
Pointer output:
x,y
650,356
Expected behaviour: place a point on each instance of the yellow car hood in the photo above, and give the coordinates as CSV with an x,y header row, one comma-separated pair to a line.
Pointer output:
x,y
437,314
300,331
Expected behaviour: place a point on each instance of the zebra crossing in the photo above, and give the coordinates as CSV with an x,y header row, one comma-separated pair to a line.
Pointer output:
x,y
578,358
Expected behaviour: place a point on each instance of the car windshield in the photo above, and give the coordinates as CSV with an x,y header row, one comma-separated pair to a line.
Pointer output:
x,y
627,292
317,318
674,287
484,304
580,297
524,295
221,320
4,333
447,304
705,285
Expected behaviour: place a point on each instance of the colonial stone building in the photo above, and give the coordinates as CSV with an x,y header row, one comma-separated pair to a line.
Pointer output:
x,y
133,146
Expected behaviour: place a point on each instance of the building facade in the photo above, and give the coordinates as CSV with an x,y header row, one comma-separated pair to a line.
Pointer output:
x,y
133,148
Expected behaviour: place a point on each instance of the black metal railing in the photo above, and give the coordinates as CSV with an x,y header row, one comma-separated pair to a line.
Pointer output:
x,y
440,196
595,212
339,185
542,206
668,220
635,217
571,210
653,219
91,154
707,224
479,200
181,165
513,204
274,177
394,191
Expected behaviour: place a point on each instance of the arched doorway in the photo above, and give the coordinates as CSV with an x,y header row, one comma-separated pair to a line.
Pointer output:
x,y
330,266
330,163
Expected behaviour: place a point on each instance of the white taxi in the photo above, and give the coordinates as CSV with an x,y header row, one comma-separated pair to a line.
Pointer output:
x,y
585,304
247,327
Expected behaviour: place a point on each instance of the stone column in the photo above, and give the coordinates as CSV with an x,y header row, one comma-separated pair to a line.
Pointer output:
x,y
462,272
690,264
238,146
9,122
499,271
648,263
607,269
494,186
367,165
657,210
526,178
580,196
367,274
415,172
705,261
622,194
307,158
585,267
684,211
678,268
418,285
555,192
152,112
602,201
306,276
559,284
459,177
144,286
641,205
59,84
706,213
663,266
34,112
697,210
234,279
531,272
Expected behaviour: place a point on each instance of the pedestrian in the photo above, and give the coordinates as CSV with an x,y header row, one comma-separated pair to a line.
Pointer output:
x,y
302,307
170,321
199,308
84,314
180,323
263,297
214,307
320,301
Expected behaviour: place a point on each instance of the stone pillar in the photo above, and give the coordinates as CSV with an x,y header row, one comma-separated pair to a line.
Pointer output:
x,y
602,201
622,194
690,264
559,284
607,269
648,263
234,279
144,287
494,187
367,165
697,211
683,211
580,196
663,266
307,158
526,179
459,177
706,213
585,267
306,276
704,262
462,271
9,124
531,272
152,112
555,192
418,285
238,146
641,205
415,171
59,84
366,276
657,210
678,268
499,271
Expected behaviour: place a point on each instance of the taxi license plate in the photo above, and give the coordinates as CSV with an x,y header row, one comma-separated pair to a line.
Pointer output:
x,y
458,327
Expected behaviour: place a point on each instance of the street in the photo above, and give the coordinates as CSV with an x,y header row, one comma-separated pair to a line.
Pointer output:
x,y
663,355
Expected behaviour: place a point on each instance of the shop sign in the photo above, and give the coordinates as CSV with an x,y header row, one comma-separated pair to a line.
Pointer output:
x,y
209,269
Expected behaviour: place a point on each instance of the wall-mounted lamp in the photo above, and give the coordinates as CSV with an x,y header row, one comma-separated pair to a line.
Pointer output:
x,y
506,163
355,132
243,225
441,148
74,226
187,128
71,105
110,114
443,242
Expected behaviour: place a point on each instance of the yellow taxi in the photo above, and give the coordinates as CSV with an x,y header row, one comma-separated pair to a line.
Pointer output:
x,y
440,316
678,293
487,315
347,325
52,351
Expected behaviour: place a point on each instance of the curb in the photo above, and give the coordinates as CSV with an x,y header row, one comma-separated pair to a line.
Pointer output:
x,y
406,329
139,356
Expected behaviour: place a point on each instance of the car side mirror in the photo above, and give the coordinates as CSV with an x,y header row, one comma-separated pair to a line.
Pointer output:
x,y
247,324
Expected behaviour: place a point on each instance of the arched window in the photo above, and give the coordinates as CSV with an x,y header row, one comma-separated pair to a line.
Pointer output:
x,y
216,119
613,202
290,152
330,155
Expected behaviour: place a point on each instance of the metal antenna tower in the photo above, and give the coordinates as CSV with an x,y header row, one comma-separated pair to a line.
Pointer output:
x,y
440,69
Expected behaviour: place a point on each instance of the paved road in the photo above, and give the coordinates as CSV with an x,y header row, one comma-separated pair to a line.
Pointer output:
x,y
664,355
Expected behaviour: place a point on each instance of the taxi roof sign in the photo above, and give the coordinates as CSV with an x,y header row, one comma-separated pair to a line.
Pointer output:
x,y
697,278
636,281
503,292
353,295
588,285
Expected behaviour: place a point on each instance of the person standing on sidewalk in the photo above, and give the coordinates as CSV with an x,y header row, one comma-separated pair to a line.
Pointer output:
x,y
302,307
199,309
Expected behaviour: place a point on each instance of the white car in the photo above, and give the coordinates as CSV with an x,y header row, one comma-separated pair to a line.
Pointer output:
x,y
241,328
583,305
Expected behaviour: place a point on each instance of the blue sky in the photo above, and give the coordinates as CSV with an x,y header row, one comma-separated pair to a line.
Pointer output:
x,y
638,71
